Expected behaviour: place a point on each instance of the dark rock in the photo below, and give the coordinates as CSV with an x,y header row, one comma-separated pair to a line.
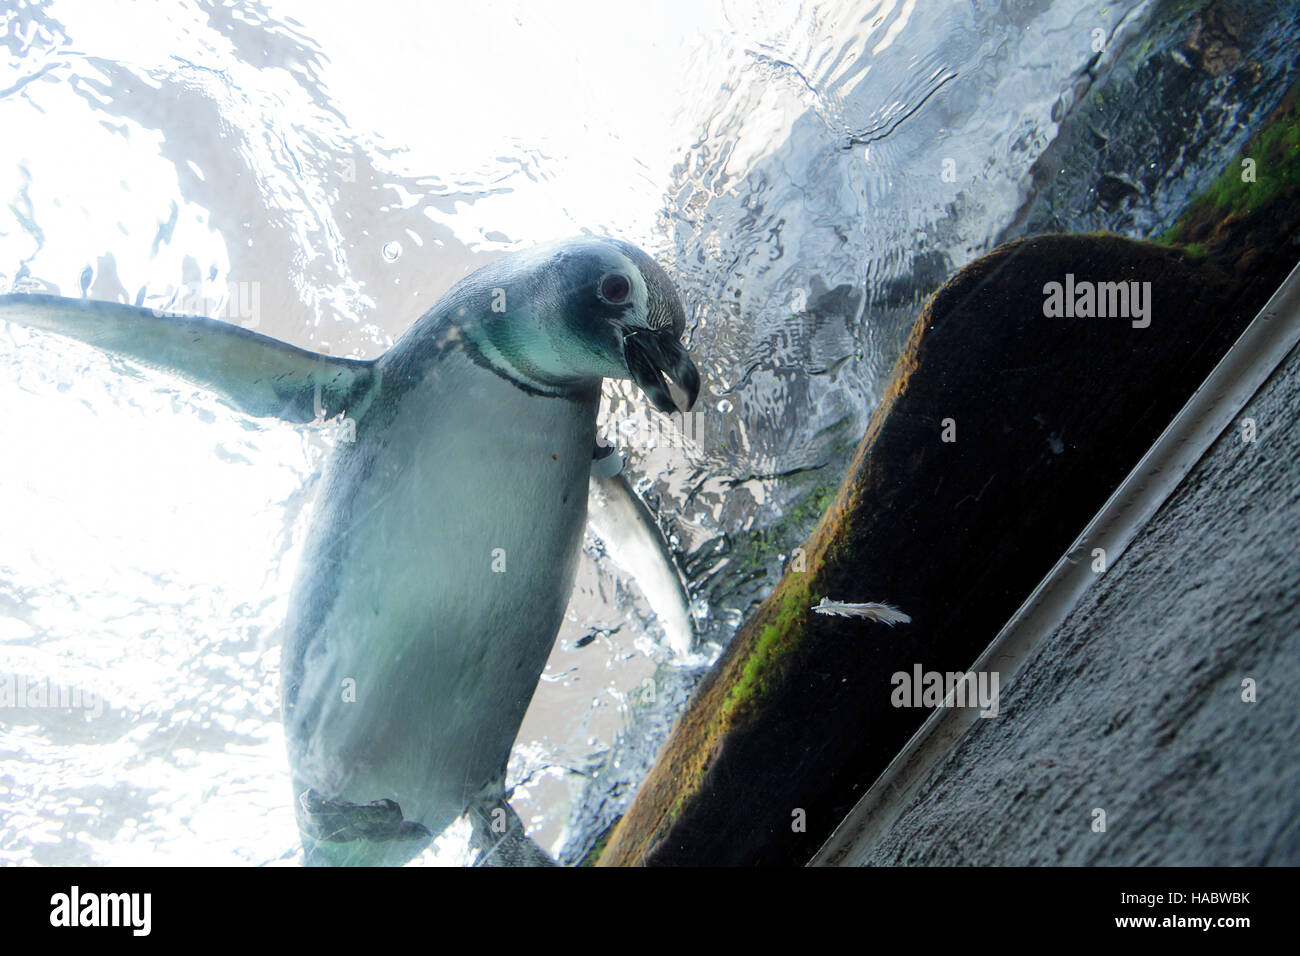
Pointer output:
x,y
1149,671
1167,103
796,720
1113,191
1214,35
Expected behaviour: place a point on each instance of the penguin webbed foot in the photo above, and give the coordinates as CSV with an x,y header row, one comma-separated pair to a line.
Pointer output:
x,y
338,833
500,838
337,821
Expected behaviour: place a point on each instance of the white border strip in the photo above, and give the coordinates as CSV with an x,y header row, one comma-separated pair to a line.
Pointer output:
x,y
1253,358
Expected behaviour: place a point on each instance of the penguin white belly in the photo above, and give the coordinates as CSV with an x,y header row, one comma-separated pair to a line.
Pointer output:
x,y
443,546
436,576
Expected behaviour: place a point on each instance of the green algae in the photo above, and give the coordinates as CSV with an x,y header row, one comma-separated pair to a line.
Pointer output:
x,y
1268,164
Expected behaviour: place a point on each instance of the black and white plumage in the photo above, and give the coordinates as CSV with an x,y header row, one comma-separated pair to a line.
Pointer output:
x,y
444,543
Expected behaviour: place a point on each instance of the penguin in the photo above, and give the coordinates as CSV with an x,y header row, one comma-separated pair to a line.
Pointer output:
x,y
445,539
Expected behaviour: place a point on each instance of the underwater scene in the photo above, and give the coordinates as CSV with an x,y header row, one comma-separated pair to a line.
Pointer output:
x,y
567,433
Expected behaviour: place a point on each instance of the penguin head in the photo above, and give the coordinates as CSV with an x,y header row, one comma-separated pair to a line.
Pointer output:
x,y
572,312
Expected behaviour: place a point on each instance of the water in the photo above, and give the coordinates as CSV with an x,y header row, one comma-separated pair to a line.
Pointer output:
x,y
809,173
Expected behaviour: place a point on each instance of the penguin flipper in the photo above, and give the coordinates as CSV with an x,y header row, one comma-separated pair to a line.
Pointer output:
x,y
621,519
259,375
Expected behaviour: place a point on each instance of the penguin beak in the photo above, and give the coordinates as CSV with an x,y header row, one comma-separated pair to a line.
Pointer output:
x,y
650,355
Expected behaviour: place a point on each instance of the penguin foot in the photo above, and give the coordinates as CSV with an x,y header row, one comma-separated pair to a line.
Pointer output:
x,y
338,833
500,838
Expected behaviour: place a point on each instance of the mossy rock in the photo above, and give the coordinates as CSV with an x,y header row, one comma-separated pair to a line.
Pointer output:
x,y
796,720
1224,215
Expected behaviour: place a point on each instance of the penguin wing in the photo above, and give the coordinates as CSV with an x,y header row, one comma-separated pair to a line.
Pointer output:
x,y
259,375
633,540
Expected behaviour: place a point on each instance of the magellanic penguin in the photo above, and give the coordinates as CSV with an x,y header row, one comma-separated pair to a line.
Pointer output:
x,y
444,542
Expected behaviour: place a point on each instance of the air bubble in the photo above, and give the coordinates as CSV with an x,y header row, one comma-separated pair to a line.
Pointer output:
x,y
392,250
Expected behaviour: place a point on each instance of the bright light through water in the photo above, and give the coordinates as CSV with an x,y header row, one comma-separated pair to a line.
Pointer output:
x,y
323,172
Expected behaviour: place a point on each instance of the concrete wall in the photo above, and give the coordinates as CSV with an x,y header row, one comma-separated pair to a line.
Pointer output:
x,y
1135,705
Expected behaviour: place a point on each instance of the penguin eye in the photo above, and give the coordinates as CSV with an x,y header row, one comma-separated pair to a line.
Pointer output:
x,y
615,288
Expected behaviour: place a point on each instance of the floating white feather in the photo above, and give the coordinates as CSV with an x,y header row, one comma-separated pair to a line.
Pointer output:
x,y
884,613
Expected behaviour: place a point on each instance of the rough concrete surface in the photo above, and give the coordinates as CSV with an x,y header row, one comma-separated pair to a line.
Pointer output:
x,y
1134,705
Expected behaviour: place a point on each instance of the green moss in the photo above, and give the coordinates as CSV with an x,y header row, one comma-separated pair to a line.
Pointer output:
x,y
764,661
1275,150
594,853
811,507
760,670
752,675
